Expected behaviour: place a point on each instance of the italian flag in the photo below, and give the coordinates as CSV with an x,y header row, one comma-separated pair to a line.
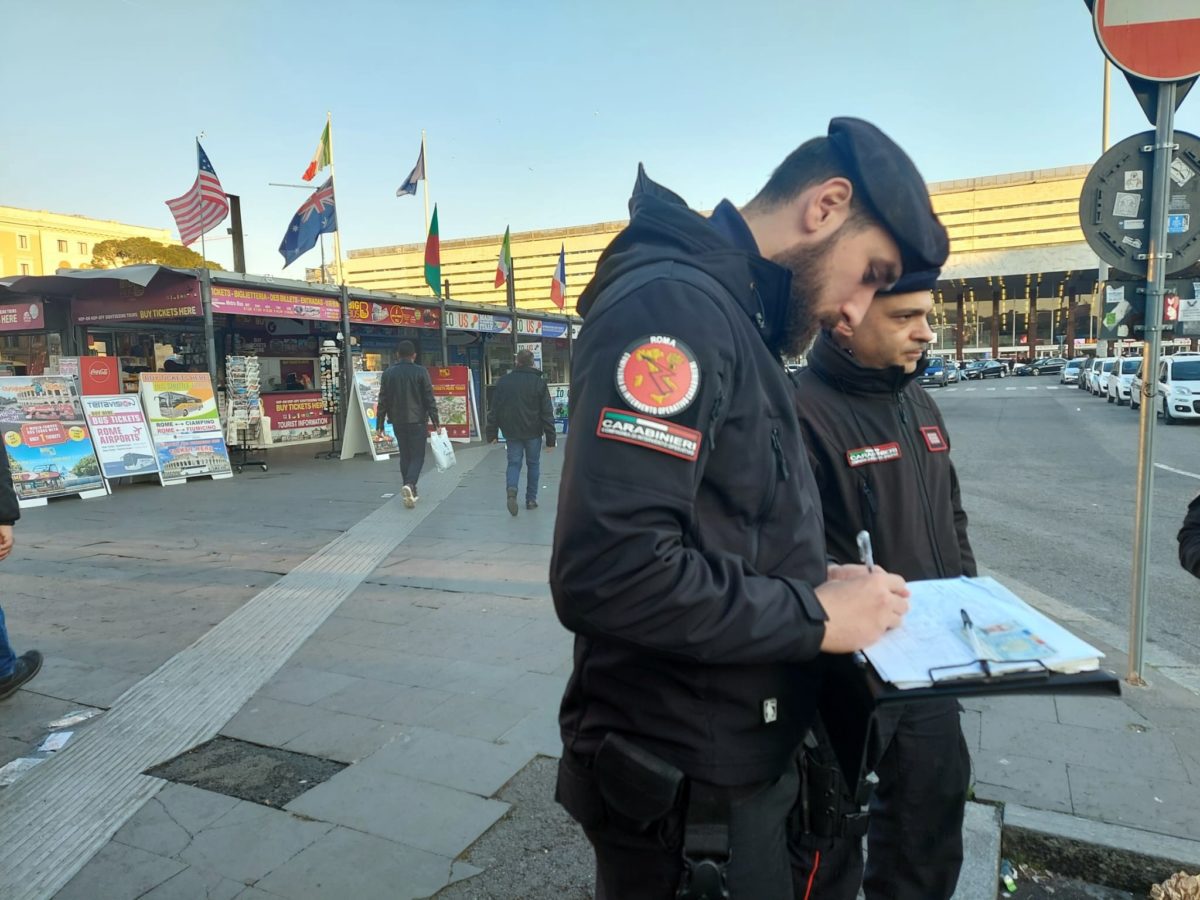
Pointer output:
x,y
504,266
433,257
321,158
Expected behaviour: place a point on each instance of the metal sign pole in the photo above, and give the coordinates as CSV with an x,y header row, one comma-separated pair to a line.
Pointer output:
x,y
1156,259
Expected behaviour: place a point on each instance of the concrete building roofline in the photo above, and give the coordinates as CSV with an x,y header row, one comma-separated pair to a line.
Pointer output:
x,y
46,212
1062,173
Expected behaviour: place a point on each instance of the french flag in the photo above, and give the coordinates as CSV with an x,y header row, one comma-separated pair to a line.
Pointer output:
x,y
558,286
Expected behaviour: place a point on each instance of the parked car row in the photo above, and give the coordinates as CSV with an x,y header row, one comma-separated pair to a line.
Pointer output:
x,y
1121,380
942,370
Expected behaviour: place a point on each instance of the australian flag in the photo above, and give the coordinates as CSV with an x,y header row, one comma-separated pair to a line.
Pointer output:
x,y
315,217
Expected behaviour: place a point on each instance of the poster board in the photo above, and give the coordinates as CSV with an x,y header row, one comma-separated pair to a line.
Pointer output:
x,y
360,434
49,446
560,402
185,425
297,419
99,376
121,436
454,390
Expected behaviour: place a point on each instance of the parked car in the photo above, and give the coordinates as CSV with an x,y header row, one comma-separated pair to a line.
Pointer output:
x,y
1050,366
1121,379
1070,372
935,372
1135,386
1178,388
953,374
1088,373
985,368
1100,376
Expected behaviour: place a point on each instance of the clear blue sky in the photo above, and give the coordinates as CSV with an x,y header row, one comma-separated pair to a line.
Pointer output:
x,y
537,111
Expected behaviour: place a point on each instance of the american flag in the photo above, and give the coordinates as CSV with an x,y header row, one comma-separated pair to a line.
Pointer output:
x,y
203,207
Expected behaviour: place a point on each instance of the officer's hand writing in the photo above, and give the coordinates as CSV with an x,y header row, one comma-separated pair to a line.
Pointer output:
x,y
861,609
837,572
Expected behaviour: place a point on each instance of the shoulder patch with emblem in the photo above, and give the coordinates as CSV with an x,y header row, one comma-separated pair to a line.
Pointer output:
x,y
864,456
651,433
934,439
659,375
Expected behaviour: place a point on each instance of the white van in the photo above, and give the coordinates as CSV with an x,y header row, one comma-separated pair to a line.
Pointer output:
x,y
1178,390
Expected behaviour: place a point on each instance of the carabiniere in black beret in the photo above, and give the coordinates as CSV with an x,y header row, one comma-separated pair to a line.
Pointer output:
x,y
894,189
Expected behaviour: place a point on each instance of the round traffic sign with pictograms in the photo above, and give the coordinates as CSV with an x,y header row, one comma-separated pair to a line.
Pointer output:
x,y
1158,40
1114,205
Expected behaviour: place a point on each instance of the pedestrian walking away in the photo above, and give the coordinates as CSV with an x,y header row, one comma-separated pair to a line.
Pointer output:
x,y
880,451
406,400
689,549
14,670
521,409
1189,539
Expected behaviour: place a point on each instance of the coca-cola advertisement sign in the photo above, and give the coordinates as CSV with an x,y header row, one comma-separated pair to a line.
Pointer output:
x,y
98,375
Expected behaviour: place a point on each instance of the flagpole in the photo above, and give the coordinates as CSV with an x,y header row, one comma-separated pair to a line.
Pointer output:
x,y
337,237
425,159
203,250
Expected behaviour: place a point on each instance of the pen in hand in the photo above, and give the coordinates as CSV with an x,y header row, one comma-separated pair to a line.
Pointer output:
x,y
865,554
973,640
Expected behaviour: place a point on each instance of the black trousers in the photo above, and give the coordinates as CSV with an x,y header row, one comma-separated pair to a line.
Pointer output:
x,y
411,438
647,863
914,839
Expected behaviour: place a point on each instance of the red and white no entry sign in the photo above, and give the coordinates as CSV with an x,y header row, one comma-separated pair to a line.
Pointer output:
x,y
1154,39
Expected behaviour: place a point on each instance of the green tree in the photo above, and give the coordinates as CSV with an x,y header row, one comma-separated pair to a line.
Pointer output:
x,y
86,467
136,250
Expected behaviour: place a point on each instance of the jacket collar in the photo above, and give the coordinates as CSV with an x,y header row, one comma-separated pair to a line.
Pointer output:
x,y
836,366
770,284
663,227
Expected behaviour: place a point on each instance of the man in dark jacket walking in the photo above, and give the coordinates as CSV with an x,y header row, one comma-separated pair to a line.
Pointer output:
x,y
879,448
406,400
1189,539
521,409
689,556
14,670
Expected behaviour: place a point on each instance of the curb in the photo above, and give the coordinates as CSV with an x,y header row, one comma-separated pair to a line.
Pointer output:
x,y
1096,852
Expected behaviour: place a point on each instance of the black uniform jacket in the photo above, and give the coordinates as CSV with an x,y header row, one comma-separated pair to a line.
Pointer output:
x,y
521,407
406,396
10,511
689,537
879,448
1189,539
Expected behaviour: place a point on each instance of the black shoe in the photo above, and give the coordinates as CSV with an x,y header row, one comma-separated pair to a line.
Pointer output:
x,y
512,503
531,504
28,664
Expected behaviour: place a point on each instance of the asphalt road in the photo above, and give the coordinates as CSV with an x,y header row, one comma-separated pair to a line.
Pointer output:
x,y
1049,474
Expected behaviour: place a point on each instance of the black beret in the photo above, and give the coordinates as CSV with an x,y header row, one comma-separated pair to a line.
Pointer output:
x,y
893,189
916,280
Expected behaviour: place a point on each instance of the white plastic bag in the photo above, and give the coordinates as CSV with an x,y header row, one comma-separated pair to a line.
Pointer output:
x,y
443,450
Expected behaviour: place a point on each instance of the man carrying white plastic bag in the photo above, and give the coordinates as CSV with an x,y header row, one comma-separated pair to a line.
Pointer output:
x,y
443,450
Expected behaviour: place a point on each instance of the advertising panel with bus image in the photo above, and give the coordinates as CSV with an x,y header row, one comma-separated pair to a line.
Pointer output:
x,y
49,446
181,410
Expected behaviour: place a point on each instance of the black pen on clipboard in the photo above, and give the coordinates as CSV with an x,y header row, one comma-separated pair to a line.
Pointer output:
x,y
976,645
867,557
865,554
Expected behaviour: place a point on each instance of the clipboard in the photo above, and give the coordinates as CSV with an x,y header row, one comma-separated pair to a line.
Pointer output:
x,y
852,692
